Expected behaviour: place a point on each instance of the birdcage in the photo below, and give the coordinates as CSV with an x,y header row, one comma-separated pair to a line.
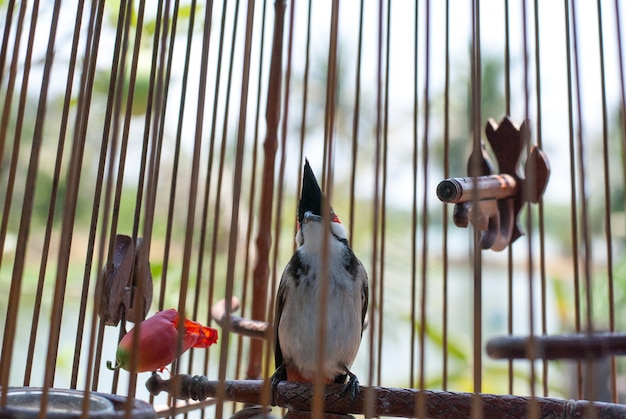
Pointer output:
x,y
151,157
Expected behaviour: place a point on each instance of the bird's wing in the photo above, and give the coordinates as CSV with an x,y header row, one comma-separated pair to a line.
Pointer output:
x,y
280,302
362,276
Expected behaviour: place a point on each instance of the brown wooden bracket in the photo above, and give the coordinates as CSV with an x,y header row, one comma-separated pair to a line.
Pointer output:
x,y
383,401
492,202
141,291
121,283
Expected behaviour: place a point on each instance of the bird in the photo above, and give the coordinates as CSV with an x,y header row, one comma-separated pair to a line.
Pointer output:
x,y
297,311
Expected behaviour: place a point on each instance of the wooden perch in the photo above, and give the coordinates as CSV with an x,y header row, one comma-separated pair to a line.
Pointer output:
x,y
256,329
574,346
383,401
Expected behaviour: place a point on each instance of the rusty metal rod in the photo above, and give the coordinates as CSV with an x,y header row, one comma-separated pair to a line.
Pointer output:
x,y
395,402
260,274
463,189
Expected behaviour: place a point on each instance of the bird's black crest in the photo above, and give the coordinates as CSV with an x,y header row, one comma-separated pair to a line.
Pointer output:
x,y
311,198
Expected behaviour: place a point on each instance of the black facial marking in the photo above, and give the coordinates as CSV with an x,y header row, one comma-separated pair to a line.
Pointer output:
x,y
341,239
297,268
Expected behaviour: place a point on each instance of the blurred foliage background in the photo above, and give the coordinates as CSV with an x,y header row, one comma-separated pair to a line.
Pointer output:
x,y
217,161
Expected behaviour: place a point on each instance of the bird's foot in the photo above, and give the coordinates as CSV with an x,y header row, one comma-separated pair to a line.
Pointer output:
x,y
352,387
279,375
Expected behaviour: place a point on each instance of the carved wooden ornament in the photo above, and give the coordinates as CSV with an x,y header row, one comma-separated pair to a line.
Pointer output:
x,y
492,202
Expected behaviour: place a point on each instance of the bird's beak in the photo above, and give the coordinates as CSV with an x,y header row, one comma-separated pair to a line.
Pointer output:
x,y
309,216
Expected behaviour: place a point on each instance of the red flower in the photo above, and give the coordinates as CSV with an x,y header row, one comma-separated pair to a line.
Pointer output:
x,y
158,338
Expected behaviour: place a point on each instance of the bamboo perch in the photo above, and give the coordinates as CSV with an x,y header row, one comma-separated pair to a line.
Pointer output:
x,y
383,401
574,346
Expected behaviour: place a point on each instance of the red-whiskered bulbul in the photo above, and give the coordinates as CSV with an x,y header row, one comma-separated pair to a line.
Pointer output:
x,y
298,310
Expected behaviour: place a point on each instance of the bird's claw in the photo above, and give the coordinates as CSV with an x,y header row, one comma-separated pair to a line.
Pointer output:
x,y
279,375
352,387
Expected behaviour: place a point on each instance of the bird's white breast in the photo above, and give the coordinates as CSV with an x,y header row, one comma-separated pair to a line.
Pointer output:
x,y
305,306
